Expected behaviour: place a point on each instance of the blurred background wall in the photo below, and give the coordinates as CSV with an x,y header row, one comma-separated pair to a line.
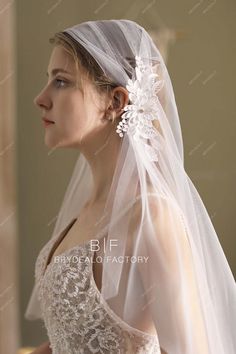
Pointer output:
x,y
9,287
198,39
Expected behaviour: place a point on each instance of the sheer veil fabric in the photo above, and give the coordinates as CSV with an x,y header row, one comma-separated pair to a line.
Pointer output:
x,y
167,264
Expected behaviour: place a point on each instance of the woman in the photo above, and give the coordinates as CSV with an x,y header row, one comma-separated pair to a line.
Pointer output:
x,y
134,264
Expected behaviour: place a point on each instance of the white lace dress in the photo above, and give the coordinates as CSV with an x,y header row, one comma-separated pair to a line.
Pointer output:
x,y
76,317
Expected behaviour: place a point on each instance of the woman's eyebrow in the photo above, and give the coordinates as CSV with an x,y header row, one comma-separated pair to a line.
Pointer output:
x,y
57,70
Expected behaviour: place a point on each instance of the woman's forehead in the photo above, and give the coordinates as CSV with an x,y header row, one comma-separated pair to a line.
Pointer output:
x,y
61,59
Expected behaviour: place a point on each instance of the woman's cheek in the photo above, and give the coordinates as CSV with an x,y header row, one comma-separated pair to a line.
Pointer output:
x,y
72,126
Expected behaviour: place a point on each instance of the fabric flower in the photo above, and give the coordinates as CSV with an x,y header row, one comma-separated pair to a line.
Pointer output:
x,y
144,107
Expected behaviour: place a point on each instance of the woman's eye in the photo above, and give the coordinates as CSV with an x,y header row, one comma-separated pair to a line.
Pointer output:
x,y
60,82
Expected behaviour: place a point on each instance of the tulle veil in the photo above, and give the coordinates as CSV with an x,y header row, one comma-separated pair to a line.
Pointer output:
x,y
177,274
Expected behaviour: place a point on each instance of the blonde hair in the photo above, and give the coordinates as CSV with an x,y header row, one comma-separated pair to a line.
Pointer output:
x,y
87,66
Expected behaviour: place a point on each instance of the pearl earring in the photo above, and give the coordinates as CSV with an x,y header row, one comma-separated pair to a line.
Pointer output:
x,y
112,117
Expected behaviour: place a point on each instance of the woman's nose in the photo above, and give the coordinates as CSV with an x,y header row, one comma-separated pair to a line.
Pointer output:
x,y
42,100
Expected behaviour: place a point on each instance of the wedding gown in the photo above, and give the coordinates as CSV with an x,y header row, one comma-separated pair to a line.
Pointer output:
x,y
76,317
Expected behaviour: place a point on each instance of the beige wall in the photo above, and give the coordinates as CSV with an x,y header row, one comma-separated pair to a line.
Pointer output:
x,y
9,301
202,66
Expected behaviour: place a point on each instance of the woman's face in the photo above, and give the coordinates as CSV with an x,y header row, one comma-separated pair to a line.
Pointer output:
x,y
77,117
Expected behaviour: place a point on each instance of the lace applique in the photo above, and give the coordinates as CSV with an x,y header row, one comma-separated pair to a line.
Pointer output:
x,y
143,109
144,105
76,317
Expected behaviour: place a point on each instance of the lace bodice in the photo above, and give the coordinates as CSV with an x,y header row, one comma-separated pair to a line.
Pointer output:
x,y
76,317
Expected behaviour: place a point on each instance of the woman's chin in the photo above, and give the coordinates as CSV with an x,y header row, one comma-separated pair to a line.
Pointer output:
x,y
62,143
52,144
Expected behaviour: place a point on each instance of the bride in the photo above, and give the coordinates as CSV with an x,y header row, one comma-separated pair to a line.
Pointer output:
x,y
134,264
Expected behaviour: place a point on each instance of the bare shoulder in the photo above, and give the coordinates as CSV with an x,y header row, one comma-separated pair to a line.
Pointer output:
x,y
165,214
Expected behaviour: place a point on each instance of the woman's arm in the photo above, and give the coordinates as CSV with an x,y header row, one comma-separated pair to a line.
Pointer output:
x,y
43,349
170,284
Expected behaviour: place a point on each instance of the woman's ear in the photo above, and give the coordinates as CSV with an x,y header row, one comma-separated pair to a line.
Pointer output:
x,y
120,98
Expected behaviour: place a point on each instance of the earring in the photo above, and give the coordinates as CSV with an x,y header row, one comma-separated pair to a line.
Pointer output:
x,y
112,117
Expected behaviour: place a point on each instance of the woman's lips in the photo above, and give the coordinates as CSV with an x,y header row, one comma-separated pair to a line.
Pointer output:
x,y
47,122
